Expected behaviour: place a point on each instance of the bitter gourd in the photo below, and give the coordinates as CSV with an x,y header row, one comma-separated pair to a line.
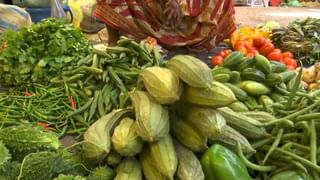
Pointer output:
x,y
40,166
28,139
4,155
102,172
69,177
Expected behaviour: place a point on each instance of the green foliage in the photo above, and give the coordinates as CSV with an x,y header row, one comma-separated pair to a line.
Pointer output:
x,y
38,53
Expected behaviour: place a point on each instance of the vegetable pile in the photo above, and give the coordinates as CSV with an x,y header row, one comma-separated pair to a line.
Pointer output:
x,y
38,53
302,38
272,97
139,117
258,45
84,90
311,76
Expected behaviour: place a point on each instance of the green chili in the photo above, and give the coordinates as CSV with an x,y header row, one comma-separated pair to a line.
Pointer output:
x,y
82,108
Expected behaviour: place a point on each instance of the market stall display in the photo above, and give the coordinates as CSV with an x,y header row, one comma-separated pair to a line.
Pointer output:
x,y
138,116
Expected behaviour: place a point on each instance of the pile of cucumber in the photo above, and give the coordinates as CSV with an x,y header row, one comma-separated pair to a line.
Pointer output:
x,y
256,81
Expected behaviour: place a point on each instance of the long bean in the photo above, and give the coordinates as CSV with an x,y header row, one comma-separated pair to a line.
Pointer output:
x,y
250,164
300,159
274,145
296,84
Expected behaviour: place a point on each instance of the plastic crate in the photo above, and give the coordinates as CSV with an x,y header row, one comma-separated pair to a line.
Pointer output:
x,y
37,14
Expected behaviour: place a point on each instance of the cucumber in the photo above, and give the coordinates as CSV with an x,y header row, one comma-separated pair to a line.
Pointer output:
x,y
287,75
253,74
220,70
266,102
233,59
221,74
222,77
262,63
254,88
273,79
277,67
248,62
234,77
276,96
238,107
240,94
251,102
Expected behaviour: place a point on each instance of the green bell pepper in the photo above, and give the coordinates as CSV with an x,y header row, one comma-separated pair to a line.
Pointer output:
x,y
291,175
220,163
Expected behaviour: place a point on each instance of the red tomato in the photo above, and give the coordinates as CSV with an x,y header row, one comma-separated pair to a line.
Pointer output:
x,y
266,48
238,45
216,60
248,45
290,62
250,54
253,50
227,51
222,54
258,41
287,54
294,63
275,55
277,50
291,67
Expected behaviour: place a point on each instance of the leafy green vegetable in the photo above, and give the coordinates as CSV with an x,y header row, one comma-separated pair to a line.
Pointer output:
x,y
38,53
302,37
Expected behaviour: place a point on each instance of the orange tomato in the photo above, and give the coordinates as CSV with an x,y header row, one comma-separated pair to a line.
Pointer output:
x,y
258,41
266,48
243,50
287,54
216,60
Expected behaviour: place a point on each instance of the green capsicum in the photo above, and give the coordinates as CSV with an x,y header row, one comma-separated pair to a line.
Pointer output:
x,y
220,163
292,175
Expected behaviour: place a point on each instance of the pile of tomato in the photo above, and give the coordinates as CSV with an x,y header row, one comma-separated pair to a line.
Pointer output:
x,y
259,45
